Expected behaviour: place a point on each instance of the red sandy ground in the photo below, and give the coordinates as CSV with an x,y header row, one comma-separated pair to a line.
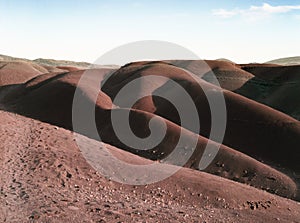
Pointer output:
x,y
45,178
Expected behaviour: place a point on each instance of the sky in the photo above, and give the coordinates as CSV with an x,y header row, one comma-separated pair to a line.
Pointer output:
x,y
83,30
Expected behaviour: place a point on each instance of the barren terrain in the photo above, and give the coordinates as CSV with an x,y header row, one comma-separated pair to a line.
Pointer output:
x,y
47,177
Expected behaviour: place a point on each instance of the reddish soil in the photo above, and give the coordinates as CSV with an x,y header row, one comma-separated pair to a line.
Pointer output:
x,y
18,72
45,177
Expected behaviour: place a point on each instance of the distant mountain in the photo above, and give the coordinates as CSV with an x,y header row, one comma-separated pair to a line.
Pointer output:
x,y
52,62
9,58
286,61
224,59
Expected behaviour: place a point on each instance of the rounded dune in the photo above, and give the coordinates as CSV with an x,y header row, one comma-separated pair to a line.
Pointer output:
x,y
50,99
270,135
18,72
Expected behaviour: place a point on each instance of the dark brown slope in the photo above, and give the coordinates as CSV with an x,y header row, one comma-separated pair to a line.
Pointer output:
x,y
51,99
69,68
271,84
275,86
44,178
225,74
14,73
252,128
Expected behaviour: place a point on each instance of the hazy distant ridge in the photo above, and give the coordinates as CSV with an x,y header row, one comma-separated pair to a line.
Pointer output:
x,y
286,61
52,62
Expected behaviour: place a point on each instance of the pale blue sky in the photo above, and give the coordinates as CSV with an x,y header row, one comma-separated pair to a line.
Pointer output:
x,y
243,31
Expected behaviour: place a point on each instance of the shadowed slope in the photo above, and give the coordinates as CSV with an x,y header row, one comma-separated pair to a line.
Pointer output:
x,y
252,128
221,73
275,86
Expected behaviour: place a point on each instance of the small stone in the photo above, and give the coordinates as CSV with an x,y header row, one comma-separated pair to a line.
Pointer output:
x,y
73,208
69,175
